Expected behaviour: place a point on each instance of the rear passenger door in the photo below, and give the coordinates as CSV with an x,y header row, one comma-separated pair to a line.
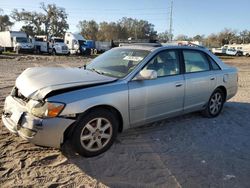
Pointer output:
x,y
199,80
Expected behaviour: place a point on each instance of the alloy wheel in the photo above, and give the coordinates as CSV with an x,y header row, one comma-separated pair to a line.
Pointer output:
x,y
96,134
215,104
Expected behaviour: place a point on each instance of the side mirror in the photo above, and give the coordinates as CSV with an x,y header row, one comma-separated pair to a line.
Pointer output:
x,y
146,75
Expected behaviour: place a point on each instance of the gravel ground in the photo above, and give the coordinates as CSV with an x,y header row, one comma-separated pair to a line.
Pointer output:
x,y
187,151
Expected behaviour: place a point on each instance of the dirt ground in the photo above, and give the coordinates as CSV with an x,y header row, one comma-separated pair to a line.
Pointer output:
x,y
187,151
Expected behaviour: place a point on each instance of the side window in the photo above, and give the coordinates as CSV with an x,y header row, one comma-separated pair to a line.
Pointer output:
x,y
195,61
215,66
165,63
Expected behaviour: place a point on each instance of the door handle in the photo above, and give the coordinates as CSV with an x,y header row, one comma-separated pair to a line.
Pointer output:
x,y
178,84
212,78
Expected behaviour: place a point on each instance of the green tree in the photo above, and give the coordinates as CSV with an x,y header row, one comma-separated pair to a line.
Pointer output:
x,y
199,38
5,23
108,31
163,37
89,29
55,19
52,21
227,36
138,29
245,36
29,30
182,37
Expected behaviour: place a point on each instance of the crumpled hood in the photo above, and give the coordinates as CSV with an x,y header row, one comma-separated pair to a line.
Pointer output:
x,y
37,82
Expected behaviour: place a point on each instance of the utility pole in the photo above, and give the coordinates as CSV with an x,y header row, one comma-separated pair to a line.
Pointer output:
x,y
171,22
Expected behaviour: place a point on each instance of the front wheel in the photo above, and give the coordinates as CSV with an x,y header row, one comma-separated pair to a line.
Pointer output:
x,y
215,104
95,132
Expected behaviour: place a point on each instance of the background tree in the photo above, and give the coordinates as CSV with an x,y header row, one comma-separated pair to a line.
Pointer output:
x,y
245,36
138,29
163,37
55,19
5,23
88,29
227,36
199,38
29,30
182,37
212,41
109,31
52,21
123,29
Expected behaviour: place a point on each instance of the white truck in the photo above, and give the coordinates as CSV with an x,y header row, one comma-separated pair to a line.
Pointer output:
x,y
41,45
219,51
75,43
246,53
15,41
234,52
58,46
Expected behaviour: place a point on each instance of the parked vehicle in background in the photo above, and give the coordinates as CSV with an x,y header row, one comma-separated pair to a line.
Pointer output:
x,y
234,52
246,53
240,47
58,46
125,87
103,46
76,43
98,46
41,45
16,41
219,51
1,49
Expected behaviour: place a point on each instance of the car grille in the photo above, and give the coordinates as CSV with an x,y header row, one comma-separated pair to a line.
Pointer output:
x,y
17,94
64,48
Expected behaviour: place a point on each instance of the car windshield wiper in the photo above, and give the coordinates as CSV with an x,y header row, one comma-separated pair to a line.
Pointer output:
x,y
97,71
101,72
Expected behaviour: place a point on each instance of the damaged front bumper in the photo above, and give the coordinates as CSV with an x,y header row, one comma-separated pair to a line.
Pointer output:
x,y
45,132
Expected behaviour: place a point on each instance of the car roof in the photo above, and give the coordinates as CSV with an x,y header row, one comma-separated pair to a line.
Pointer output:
x,y
157,46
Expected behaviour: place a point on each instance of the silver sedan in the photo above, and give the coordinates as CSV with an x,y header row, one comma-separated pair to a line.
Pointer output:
x,y
123,88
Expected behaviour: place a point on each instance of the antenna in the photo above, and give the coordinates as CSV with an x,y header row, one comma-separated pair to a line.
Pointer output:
x,y
171,22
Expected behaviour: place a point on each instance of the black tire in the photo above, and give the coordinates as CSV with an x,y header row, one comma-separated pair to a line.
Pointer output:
x,y
215,104
90,139
53,52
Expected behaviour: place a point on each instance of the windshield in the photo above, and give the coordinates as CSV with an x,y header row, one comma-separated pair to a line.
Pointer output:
x,y
82,42
58,40
117,62
21,40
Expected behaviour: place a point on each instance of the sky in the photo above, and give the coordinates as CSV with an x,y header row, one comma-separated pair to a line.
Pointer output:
x,y
190,17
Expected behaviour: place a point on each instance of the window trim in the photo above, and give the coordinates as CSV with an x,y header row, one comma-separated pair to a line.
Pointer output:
x,y
199,51
178,53
211,59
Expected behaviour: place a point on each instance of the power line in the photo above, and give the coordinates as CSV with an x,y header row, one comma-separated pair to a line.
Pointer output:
x,y
171,22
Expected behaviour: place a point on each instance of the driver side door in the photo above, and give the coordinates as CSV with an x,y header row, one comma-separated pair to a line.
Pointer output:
x,y
151,100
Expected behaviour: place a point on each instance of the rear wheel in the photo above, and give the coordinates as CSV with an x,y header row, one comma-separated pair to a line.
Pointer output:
x,y
215,104
94,132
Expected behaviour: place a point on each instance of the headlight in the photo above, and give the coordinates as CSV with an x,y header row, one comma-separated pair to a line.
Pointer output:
x,y
47,109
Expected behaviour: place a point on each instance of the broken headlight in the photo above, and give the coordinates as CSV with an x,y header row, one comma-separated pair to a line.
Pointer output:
x,y
46,109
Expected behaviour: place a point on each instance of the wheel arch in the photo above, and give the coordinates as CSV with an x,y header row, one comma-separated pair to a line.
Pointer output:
x,y
224,90
68,132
